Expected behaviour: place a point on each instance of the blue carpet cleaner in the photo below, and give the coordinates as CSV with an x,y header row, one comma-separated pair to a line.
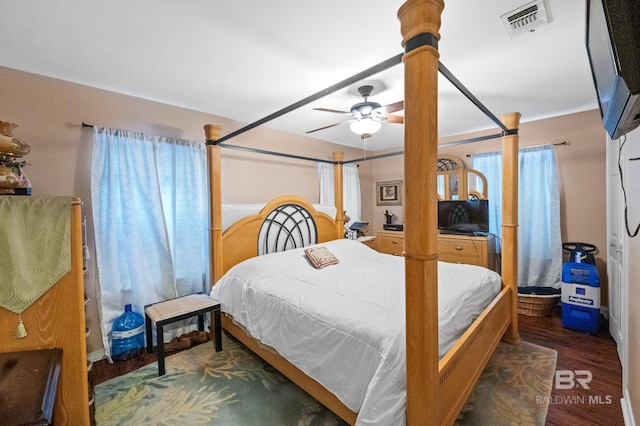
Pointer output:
x,y
580,289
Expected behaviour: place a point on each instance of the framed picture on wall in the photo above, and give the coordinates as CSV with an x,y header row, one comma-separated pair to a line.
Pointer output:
x,y
389,193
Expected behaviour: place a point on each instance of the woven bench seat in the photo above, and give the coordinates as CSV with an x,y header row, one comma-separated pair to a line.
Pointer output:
x,y
172,310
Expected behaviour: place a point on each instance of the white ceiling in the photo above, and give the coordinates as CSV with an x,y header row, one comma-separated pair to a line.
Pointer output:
x,y
245,59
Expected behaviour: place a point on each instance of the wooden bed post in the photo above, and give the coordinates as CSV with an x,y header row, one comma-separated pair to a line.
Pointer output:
x,y
420,23
338,157
510,219
212,133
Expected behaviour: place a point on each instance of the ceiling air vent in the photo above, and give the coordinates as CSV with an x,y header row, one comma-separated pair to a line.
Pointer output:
x,y
525,18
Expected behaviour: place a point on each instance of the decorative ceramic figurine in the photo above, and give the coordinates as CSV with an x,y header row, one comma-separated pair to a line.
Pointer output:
x,y
12,179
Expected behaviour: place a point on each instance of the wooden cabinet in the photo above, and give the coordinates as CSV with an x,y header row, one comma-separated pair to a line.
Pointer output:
x,y
391,242
57,320
473,250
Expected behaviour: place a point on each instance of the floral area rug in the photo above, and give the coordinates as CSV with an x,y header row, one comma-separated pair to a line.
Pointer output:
x,y
205,387
235,387
514,388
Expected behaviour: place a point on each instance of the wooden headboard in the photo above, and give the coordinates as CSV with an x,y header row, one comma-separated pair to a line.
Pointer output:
x,y
241,240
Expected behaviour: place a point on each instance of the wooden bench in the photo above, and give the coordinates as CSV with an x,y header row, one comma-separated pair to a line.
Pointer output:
x,y
172,310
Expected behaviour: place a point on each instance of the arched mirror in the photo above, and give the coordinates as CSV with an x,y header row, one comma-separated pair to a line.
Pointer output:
x,y
455,182
476,184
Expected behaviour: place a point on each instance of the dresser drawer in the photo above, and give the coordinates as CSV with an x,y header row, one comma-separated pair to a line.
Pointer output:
x,y
467,249
459,247
473,250
454,258
391,244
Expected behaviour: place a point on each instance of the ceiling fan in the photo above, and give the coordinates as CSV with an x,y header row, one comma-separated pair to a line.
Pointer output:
x,y
366,117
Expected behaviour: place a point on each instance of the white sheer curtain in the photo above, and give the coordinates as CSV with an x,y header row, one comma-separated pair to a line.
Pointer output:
x,y
350,191
539,237
149,201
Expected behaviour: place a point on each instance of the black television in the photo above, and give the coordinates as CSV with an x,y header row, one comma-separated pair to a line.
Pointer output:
x,y
613,47
463,216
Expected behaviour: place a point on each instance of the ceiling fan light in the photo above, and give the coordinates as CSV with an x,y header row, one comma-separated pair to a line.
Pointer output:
x,y
365,125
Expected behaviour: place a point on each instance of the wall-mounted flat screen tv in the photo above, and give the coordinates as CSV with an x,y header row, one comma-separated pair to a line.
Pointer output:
x,y
613,45
463,216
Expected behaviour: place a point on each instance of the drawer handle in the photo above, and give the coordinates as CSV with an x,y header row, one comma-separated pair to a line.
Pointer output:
x,y
395,241
459,248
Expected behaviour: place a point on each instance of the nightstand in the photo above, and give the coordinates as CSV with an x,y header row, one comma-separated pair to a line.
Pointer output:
x,y
391,242
369,241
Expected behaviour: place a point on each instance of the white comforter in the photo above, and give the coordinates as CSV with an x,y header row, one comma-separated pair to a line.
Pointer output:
x,y
344,325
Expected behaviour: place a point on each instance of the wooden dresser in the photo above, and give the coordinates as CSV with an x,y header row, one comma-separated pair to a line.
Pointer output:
x,y
57,320
473,250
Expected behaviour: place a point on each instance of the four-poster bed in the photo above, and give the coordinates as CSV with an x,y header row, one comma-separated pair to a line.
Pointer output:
x,y
436,388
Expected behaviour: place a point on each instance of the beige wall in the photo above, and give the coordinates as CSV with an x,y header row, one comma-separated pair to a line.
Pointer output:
x,y
50,112
581,172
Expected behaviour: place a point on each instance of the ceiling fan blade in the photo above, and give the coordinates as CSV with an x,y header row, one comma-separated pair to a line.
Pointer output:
x,y
331,125
386,109
394,119
331,110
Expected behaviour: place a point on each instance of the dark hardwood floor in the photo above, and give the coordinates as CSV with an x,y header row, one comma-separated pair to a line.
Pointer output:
x,y
598,405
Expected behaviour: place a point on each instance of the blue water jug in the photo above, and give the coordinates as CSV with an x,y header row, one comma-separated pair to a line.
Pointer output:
x,y
127,335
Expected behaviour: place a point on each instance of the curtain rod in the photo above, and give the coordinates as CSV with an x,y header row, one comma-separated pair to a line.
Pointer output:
x,y
319,160
543,144
259,151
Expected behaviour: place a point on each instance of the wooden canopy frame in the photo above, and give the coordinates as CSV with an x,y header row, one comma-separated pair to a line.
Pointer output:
x,y
436,388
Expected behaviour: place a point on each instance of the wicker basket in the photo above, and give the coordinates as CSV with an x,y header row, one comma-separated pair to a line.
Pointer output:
x,y
535,305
